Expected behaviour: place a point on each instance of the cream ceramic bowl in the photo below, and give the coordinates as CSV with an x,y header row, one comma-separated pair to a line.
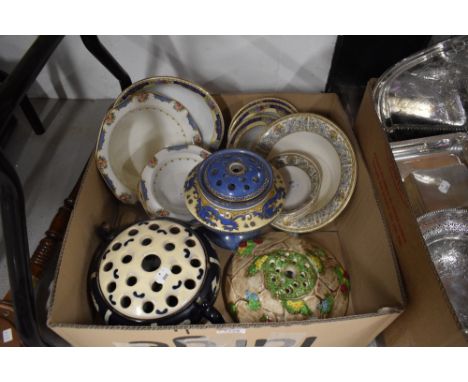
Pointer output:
x,y
162,181
132,132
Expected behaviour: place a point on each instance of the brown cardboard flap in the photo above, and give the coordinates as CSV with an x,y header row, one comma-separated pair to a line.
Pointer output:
x,y
429,318
352,331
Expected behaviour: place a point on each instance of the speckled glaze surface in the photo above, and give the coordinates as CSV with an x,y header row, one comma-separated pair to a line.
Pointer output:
x,y
132,132
278,277
196,99
234,191
154,272
161,188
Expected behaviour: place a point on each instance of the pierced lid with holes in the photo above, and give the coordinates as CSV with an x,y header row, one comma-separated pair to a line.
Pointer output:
x,y
278,277
234,191
235,175
152,270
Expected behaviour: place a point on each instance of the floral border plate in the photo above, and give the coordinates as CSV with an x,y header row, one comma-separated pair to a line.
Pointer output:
x,y
330,134
132,132
306,194
197,100
161,188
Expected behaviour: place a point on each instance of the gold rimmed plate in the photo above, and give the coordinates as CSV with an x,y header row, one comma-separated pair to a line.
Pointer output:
x,y
248,132
132,132
197,100
273,105
320,139
302,176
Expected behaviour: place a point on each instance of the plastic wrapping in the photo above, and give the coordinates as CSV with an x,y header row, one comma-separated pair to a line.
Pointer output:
x,y
434,171
427,93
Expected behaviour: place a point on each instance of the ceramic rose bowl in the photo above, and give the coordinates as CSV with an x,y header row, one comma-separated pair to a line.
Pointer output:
x,y
277,277
234,193
155,272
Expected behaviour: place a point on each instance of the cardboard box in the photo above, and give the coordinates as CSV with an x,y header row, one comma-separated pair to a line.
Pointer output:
x,y
429,319
358,237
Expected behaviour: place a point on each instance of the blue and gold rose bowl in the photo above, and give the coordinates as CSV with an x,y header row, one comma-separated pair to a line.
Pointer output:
x,y
234,193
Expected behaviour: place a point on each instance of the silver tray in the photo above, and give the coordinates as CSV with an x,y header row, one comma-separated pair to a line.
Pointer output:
x,y
446,235
430,152
425,94
434,171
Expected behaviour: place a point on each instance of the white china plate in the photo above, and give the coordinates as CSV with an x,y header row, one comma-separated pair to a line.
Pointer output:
x,y
303,178
197,100
132,132
323,152
162,181
320,139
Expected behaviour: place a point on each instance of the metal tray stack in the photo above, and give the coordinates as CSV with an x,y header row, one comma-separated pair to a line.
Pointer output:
x,y
422,104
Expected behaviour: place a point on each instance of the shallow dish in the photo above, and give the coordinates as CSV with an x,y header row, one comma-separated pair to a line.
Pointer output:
x,y
132,132
197,100
302,175
446,235
320,139
162,181
268,104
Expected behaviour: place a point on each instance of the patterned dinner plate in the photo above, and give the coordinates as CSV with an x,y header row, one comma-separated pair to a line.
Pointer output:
x,y
197,100
132,132
303,177
162,181
320,139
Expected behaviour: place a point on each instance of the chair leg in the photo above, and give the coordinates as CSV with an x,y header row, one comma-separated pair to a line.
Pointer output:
x,y
31,115
28,110
99,51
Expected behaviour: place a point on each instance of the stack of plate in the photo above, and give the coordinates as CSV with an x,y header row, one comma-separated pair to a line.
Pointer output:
x,y
160,128
156,131
253,119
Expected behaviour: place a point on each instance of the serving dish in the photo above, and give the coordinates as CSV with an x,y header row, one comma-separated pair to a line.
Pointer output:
x,y
425,94
161,188
132,132
446,235
302,176
430,152
434,171
196,99
234,192
278,277
320,139
155,272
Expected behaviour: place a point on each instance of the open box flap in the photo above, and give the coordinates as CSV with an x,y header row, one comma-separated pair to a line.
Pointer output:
x,y
429,318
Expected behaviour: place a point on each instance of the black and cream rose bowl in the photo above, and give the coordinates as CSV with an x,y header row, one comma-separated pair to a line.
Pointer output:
x,y
155,272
